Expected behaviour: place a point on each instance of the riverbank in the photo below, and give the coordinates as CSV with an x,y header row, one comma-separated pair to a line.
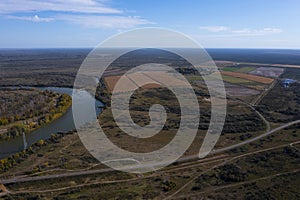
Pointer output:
x,y
34,112
10,161
64,123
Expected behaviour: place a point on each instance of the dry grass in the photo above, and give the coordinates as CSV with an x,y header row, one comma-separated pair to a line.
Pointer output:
x,y
149,80
130,82
151,86
111,81
143,81
251,77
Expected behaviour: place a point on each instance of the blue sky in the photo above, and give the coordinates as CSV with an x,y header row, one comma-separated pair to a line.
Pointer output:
x,y
213,23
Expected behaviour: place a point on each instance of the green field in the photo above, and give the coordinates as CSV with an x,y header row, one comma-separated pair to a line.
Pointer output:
x,y
232,79
239,69
246,69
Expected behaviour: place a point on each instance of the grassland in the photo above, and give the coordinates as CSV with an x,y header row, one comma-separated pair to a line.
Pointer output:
x,y
237,80
228,174
281,104
256,174
239,69
267,168
250,77
40,67
146,80
69,154
292,73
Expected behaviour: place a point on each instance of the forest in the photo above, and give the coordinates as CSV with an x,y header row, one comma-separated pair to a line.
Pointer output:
x,y
23,110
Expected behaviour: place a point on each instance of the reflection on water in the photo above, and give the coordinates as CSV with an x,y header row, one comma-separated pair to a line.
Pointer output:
x,y
63,124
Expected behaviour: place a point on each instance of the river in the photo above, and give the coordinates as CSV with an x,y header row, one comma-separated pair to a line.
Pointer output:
x,y
63,124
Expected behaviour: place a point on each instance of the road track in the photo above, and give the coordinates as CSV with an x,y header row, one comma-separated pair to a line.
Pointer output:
x,y
184,159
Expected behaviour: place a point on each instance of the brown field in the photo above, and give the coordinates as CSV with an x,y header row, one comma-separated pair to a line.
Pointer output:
x,y
145,81
251,77
111,81
151,86
166,78
130,82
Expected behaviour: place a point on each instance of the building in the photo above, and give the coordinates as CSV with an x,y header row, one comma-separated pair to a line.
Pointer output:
x,y
287,82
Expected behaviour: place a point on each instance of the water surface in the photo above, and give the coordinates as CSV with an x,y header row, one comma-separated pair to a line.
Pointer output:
x,y
63,124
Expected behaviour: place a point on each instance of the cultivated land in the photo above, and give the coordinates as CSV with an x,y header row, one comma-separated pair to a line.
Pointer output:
x,y
249,77
257,156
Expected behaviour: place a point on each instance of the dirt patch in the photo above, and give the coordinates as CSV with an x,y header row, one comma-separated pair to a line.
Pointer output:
x,y
237,90
268,71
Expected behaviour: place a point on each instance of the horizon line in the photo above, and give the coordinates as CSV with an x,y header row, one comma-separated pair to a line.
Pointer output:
x,y
242,48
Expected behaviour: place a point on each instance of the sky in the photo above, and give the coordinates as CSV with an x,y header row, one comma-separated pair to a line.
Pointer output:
x,y
212,23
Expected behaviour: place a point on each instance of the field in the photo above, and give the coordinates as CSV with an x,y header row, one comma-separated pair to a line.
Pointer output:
x,y
111,81
268,71
281,104
292,73
233,79
239,69
256,157
239,90
250,77
151,79
239,173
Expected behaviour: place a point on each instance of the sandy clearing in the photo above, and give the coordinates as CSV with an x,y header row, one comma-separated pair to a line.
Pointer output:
x,y
268,71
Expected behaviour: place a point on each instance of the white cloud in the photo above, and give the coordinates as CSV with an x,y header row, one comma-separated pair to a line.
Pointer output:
x,y
35,18
89,13
272,30
227,31
263,31
79,6
214,28
96,21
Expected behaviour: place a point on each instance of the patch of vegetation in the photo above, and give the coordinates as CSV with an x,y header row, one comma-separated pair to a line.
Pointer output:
x,y
246,69
238,69
232,79
8,163
250,170
40,67
291,73
23,110
281,104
